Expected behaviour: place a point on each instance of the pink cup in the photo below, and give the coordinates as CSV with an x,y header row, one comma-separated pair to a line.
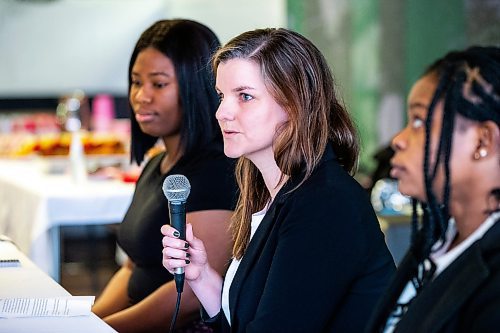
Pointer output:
x,y
103,113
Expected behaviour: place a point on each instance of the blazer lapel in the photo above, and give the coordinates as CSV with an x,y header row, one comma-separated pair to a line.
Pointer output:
x,y
442,298
257,243
260,237
385,306
250,257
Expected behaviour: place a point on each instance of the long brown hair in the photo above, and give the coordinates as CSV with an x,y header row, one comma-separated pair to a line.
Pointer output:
x,y
299,79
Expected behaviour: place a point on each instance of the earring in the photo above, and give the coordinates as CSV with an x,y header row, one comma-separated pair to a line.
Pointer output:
x,y
480,153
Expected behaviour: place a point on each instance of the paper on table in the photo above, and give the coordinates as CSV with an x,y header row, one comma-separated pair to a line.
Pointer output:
x,y
10,263
46,307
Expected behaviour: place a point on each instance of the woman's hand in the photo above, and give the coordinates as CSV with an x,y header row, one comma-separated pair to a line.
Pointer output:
x,y
190,254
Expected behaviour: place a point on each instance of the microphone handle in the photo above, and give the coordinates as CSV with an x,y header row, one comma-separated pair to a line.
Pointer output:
x,y
177,212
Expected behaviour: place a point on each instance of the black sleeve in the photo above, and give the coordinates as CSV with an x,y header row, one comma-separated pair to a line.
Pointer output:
x,y
217,323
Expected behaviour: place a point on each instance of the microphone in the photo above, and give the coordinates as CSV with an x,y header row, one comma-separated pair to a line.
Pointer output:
x,y
176,189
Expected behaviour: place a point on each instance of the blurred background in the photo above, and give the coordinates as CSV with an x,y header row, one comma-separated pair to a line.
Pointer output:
x,y
55,50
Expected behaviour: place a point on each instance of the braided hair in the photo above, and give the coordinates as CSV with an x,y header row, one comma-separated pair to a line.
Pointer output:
x,y
469,85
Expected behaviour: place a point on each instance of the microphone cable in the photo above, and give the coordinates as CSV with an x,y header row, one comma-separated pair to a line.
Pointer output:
x,y
179,286
176,312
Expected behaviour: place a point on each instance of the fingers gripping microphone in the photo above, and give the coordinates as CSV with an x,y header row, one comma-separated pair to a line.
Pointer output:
x,y
177,188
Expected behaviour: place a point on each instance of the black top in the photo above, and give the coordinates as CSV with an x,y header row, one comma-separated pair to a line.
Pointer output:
x,y
463,298
213,186
316,263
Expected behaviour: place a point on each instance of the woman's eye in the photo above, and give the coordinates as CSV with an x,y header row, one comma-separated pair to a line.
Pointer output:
x,y
417,123
160,85
135,82
221,97
246,97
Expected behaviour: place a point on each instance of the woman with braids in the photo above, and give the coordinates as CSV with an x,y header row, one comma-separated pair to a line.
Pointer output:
x,y
308,255
448,158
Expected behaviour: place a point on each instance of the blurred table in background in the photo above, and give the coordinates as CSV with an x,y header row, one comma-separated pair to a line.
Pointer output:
x,y
397,231
34,204
394,214
28,281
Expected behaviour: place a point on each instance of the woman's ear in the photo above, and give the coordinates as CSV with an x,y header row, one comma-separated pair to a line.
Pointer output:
x,y
488,140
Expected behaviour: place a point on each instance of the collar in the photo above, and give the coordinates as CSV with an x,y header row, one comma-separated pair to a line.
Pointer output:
x,y
443,258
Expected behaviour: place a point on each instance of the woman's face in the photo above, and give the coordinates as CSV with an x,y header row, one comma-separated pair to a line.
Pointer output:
x,y
248,115
154,94
409,145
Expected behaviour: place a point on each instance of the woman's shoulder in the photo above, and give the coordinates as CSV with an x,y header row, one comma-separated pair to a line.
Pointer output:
x,y
331,197
331,183
480,311
151,168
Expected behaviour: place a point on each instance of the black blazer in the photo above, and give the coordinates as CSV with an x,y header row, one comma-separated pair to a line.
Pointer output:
x,y
317,263
465,297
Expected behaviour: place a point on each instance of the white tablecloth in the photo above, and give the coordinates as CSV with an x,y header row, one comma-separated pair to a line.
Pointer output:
x,y
29,281
32,203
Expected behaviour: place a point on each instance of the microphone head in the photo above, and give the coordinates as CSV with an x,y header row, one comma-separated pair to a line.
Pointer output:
x,y
176,188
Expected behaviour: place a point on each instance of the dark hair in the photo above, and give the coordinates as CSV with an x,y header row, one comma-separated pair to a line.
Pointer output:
x,y
468,82
189,45
298,77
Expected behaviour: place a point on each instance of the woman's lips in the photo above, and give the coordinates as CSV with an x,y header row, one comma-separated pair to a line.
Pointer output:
x,y
229,133
144,117
396,170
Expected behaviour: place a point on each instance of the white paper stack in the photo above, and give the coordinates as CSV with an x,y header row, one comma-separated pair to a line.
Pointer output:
x,y
46,307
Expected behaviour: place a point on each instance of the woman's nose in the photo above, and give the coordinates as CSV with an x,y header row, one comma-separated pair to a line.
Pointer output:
x,y
398,142
224,112
143,95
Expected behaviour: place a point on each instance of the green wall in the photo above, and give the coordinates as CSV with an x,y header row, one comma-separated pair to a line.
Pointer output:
x,y
378,48
347,33
432,29
365,75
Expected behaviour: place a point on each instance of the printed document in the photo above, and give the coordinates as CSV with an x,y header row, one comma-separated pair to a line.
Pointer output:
x,y
46,307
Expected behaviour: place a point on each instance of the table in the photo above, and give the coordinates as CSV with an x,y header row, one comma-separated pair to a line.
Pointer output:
x,y
397,230
35,204
29,281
